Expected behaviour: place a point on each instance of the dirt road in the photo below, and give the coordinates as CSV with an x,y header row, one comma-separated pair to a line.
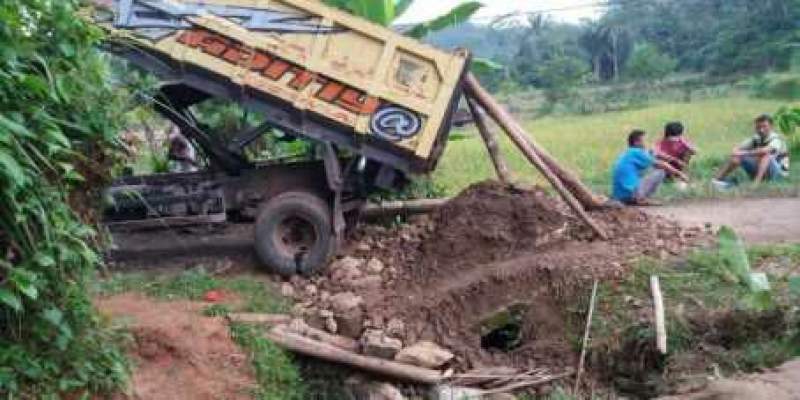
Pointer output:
x,y
759,221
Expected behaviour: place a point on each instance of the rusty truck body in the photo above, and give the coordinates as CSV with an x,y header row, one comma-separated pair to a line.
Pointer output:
x,y
377,105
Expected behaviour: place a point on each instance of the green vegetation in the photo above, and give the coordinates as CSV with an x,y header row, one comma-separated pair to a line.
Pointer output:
x,y
590,144
56,126
710,304
278,377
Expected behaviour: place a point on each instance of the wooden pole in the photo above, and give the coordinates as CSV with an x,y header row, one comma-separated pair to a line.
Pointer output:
x,y
409,207
519,137
588,329
658,311
571,181
306,346
490,139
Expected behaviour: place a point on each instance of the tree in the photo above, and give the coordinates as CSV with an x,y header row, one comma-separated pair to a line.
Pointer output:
x,y
648,63
385,12
560,75
608,43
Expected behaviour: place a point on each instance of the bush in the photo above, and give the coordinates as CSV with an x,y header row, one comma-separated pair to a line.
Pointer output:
x,y
648,63
560,75
56,120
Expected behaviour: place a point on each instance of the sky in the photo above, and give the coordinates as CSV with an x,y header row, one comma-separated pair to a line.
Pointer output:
x,y
423,10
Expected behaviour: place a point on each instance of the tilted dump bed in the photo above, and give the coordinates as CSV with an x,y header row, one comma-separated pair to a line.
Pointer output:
x,y
311,69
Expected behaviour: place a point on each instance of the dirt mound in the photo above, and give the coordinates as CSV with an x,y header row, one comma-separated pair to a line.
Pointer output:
x,y
446,276
490,222
178,353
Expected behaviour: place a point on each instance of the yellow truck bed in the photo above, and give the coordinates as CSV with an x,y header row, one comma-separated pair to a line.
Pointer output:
x,y
317,71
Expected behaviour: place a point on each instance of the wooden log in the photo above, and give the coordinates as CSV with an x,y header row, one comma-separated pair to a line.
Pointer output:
x,y
306,346
529,383
585,343
490,139
265,319
658,311
519,137
585,196
410,207
344,343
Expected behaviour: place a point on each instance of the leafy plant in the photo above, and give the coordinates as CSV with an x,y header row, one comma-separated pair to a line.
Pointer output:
x,y
788,120
648,63
385,12
56,124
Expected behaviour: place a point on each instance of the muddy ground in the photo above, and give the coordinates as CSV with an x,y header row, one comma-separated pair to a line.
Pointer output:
x,y
177,353
446,277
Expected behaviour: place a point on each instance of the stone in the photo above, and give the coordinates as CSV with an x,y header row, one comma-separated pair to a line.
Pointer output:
x,y
375,266
350,324
326,313
376,343
311,290
331,325
360,388
367,283
287,290
345,302
396,328
424,354
443,392
363,247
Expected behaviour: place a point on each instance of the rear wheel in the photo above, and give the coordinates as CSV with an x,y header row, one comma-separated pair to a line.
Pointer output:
x,y
294,234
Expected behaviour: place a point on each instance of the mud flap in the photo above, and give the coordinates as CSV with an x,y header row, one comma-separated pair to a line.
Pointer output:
x,y
333,172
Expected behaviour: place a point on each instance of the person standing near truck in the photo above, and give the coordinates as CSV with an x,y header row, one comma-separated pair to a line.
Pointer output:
x,y
181,156
632,184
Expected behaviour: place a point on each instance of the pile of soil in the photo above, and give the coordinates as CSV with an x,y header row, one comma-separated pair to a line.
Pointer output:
x,y
179,354
781,384
440,277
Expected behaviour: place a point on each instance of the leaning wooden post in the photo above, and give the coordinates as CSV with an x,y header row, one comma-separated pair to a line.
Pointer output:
x,y
490,139
518,136
658,315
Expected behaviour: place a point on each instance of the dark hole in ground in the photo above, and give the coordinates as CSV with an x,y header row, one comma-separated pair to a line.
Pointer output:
x,y
503,329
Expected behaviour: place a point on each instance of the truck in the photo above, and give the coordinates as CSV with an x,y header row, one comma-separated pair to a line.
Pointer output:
x,y
376,105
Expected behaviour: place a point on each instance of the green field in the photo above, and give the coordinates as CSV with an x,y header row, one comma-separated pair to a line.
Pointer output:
x,y
590,144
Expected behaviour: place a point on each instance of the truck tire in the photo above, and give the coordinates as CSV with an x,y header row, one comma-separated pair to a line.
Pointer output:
x,y
294,234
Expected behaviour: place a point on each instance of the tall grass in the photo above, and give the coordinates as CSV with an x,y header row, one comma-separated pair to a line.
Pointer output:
x,y
590,144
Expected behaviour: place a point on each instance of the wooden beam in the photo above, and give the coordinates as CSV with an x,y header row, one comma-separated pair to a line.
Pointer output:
x,y
520,138
490,139
300,344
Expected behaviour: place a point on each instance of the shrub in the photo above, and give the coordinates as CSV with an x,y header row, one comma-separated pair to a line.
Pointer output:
x,y
56,120
648,63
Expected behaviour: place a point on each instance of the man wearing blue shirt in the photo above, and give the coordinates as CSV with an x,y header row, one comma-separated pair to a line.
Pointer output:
x,y
630,185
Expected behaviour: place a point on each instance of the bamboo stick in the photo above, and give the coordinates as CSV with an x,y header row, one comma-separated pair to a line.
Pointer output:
x,y
658,311
519,137
582,359
306,346
490,139
266,319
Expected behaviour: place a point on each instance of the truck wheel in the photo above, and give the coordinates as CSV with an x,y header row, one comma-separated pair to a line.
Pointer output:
x,y
294,234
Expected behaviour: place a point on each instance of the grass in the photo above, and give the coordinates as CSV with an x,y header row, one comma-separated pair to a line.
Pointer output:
x,y
277,374
590,144
707,308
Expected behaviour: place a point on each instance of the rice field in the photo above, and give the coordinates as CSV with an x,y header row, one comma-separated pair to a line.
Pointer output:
x,y
590,144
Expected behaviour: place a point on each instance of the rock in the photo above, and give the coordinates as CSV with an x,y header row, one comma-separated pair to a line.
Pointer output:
x,y
453,393
424,354
375,266
351,323
287,290
396,328
324,296
331,325
311,290
345,302
363,247
376,343
367,283
326,313
361,389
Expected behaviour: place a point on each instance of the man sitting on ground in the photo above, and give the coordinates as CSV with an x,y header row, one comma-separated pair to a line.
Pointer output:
x,y
629,186
763,157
